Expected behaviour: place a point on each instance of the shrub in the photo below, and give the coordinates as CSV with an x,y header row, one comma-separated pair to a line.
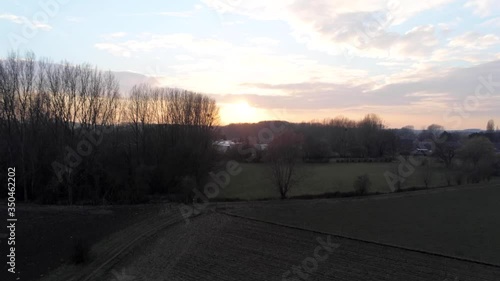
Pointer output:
x,y
362,184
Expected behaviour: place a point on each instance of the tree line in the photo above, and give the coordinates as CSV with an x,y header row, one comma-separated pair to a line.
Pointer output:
x,y
331,138
458,156
73,138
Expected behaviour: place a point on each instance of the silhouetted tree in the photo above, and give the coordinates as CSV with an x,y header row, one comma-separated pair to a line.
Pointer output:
x,y
445,147
283,153
490,127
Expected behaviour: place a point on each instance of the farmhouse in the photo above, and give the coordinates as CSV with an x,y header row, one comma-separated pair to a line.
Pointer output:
x,y
223,145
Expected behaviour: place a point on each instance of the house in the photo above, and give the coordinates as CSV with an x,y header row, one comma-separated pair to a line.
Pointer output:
x,y
422,151
223,145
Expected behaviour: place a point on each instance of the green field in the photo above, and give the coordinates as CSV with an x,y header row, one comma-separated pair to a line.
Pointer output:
x,y
254,181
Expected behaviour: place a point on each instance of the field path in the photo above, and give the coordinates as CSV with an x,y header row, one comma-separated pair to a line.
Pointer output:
x,y
109,250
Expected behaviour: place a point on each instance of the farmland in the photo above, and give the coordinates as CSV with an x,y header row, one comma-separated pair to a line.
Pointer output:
x,y
434,234
48,233
458,221
254,181
222,247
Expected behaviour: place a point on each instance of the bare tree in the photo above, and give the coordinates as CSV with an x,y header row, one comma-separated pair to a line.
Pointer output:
x,y
476,149
283,153
490,127
445,148
434,131
48,109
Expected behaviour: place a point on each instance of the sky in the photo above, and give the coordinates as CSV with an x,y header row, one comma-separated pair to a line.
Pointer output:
x,y
410,62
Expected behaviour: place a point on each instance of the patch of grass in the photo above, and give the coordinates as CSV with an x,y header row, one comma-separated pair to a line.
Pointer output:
x,y
254,183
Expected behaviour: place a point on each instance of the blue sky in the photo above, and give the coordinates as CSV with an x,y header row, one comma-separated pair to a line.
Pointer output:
x,y
411,62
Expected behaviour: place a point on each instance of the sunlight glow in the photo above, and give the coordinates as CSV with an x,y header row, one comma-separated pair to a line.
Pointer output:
x,y
240,112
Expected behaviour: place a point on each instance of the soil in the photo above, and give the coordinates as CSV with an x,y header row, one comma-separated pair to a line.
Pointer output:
x,y
222,247
45,235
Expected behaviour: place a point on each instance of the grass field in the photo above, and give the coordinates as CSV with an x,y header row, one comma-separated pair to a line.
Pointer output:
x,y
254,181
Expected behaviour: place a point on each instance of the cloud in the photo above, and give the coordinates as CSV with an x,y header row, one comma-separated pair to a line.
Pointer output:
x,y
184,58
483,8
13,18
494,22
116,34
113,49
219,66
474,40
361,28
432,95
23,20
263,41
149,42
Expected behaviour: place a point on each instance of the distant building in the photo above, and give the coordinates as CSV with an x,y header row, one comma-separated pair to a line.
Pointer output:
x,y
422,151
223,145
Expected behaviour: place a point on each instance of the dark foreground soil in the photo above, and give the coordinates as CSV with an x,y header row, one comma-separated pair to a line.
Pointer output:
x,y
45,235
222,247
463,222
445,235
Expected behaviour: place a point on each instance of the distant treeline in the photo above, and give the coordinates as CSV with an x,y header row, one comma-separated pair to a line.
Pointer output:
x,y
72,138
471,156
339,137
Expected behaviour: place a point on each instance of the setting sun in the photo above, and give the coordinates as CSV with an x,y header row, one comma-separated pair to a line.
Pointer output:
x,y
240,112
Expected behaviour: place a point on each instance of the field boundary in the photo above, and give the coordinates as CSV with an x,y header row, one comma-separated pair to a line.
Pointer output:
x,y
362,240
370,196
